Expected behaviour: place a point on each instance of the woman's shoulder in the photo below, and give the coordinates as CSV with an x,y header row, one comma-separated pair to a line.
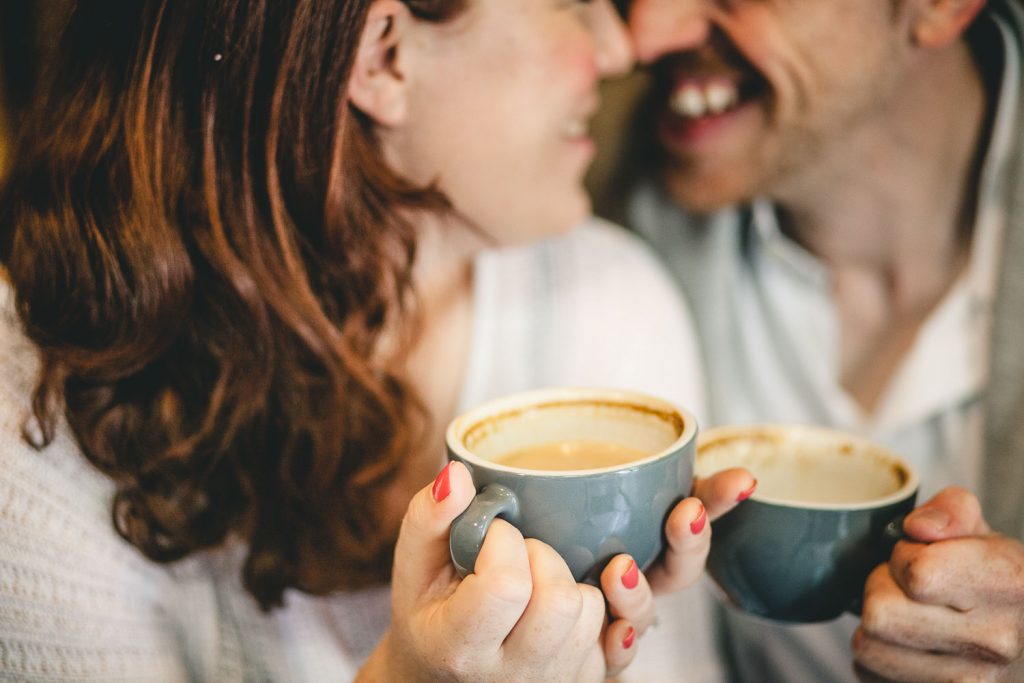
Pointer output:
x,y
597,259
605,242
75,594
609,267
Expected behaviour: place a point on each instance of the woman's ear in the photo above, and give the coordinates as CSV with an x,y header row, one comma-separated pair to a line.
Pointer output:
x,y
378,83
942,22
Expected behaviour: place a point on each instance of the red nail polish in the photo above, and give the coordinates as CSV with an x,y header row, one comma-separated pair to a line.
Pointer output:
x,y
632,576
748,493
442,486
627,642
697,525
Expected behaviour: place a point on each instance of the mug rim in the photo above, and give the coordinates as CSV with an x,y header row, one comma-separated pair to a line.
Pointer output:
x,y
908,488
459,427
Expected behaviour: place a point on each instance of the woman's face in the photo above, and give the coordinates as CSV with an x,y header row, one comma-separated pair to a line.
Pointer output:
x,y
499,107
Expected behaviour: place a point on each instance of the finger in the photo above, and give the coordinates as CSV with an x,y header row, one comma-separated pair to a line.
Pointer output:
x,y
422,548
888,615
485,607
964,574
689,539
885,661
628,594
594,669
555,608
723,490
620,645
593,618
953,513
585,643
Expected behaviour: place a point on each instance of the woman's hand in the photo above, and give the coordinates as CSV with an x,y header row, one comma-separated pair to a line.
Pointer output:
x,y
688,531
630,593
519,617
949,604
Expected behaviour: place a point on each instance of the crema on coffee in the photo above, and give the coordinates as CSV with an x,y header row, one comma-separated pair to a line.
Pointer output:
x,y
571,455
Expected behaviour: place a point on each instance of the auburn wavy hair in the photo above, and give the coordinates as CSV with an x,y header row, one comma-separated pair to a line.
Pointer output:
x,y
206,246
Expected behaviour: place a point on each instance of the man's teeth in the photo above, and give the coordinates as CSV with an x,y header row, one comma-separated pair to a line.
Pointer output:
x,y
694,101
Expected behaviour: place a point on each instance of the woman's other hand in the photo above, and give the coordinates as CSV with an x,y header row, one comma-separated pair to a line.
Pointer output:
x,y
688,529
630,593
520,616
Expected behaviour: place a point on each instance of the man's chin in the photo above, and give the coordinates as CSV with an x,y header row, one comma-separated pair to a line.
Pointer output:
x,y
704,194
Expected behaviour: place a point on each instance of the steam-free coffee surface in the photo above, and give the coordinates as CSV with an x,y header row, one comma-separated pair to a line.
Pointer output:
x,y
571,455
807,467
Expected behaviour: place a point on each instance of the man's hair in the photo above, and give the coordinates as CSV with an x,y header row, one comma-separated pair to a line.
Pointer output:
x,y
205,245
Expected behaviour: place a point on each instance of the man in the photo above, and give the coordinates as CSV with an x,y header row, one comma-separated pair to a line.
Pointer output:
x,y
839,188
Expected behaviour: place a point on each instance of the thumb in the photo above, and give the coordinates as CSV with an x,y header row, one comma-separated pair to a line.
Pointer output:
x,y
422,549
953,513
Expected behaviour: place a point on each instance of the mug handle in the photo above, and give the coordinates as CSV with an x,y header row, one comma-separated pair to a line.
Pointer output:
x,y
468,530
892,534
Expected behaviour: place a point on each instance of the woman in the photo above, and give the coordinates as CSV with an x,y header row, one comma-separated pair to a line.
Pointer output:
x,y
250,247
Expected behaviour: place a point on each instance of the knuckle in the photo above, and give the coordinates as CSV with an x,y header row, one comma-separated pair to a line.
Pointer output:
x,y
859,643
876,579
919,577
510,585
873,620
539,549
1002,646
593,602
564,600
457,663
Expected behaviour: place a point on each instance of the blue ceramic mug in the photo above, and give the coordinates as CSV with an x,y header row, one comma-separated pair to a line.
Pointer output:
x,y
591,472
827,510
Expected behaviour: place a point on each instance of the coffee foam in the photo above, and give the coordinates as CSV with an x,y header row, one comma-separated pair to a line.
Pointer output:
x,y
806,466
638,427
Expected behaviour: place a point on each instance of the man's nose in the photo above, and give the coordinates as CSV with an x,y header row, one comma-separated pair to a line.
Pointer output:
x,y
614,47
662,27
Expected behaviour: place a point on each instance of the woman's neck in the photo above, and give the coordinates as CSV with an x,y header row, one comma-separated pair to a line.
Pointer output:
x,y
434,365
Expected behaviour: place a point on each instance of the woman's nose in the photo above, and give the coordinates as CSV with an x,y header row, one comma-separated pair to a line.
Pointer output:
x,y
662,27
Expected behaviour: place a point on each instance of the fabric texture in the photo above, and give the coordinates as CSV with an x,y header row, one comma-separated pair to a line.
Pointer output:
x,y
77,603
968,431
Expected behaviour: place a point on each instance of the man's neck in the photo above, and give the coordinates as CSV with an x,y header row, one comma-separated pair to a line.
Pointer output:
x,y
899,191
891,213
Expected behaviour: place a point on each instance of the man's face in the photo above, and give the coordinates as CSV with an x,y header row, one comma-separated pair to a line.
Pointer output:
x,y
753,95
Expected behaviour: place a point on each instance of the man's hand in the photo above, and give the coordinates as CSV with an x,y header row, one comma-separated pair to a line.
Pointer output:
x,y
949,604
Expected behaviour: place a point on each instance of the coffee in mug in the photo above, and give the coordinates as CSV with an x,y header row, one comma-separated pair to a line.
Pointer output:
x,y
827,509
591,472
578,454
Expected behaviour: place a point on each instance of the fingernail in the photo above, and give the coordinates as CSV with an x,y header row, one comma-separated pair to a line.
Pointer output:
x,y
748,493
632,576
697,525
627,642
442,486
937,519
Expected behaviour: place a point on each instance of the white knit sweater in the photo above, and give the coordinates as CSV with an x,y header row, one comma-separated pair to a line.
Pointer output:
x,y
77,603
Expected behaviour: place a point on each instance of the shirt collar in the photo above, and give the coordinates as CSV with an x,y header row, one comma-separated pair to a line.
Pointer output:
x,y
767,238
990,217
